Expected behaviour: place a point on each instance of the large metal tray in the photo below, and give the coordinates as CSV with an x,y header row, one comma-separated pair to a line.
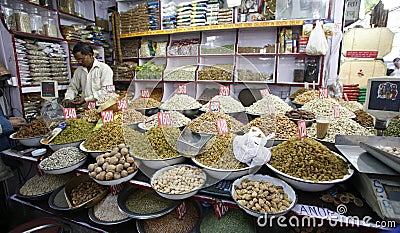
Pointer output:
x,y
387,158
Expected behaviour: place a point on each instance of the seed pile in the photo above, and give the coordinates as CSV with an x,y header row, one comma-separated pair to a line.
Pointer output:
x,y
139,144
235,220
180,102
38,185
62,158
143,201
107,209
206,123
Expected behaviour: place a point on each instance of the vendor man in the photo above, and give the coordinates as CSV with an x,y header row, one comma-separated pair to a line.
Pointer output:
x,y
91,77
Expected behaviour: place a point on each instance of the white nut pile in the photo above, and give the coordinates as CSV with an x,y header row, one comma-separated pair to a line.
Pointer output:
x,y
227,104
131,116
62,158
181,73
324,108
351,105
179,180
180,102
261,106
390,149
109,96
340,126
177,120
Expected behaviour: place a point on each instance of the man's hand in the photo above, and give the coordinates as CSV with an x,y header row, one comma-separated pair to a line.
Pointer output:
x,y
67,103
78,101
17,122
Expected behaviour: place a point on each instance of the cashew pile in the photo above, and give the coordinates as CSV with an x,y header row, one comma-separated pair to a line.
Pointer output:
x,y
180,102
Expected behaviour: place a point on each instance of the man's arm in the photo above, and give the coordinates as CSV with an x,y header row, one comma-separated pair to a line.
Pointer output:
x,y
105,80
73,87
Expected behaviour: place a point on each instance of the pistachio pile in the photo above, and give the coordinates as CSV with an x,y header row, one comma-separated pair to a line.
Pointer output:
x,y
76,130
107,137
227,104
206,123
300,114
180,102
393,128
62,158
177,120
216,72
298,92
91,115
324,108
179,180
113,165
261,196
38,185
141,103
33,129
307,96
307,159
131,116
261,106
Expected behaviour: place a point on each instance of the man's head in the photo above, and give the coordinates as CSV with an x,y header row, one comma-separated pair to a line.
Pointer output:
x,y
396,62
83,53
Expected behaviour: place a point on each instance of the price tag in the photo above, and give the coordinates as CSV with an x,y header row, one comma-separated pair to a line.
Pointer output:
x,y
110,88
122,104
145,93
91,105
214,106
220,209
306,85
222,126
107,116
323,93
336,111
313,85
116,189
182,89
224,90
164,119
181,210
264,92
69,113
271,109
346,97
302,129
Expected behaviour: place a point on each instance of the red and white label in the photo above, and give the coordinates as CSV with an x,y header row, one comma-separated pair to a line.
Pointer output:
x,y
323,93
224,90
182,89
346,97
116,189
145,93
69,113
302,129
264,92
362,54
222,126
271,109
164,119
336,111
306,85
220,209
91,105
181,210
107,116
122,104
110,88
214,106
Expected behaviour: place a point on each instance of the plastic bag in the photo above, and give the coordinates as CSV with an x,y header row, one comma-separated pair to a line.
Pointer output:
x,y
52,113
317,43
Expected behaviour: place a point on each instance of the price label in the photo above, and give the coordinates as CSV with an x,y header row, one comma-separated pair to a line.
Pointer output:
x,y
107,116
220,209
69,113
222,126
264,92
214,106
182,89
116,189
346,97
271,109
122,104
323,93
224,90
181,210
110,88
164,119
302,129
313,85
306,85
145,93
91,105
336,111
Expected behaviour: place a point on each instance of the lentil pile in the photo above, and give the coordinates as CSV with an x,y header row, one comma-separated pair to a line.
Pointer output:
x,y
261,106
180,102
62,158
86,191
227,104
141,103
307,159
143,201
393,128
131,116
33,129
76,130
106,138
38,185
324,108
177,120
107,209
206,123
363,118
235,220
307,96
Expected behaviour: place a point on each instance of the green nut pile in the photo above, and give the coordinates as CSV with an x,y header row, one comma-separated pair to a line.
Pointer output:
x,y
393,128
206,123
33,129
106,138
76,130
307,159
141,103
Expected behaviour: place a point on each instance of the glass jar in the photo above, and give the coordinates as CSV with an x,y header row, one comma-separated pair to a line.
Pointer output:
x,y
36,22
299,70
48,3
67,6
8,14
79,8
49,25
22,19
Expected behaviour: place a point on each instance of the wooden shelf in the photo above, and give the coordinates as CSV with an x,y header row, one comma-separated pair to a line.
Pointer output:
x,y
72,17
36,36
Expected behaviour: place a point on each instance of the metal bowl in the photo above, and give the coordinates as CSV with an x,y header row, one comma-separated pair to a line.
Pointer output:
x,y
115,182
94,219
30,142
63,170
94,154
147,111
158,163
56,147
53,205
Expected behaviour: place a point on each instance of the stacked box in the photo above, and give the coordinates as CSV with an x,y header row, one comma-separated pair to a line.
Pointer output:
x,y
130,47
184,12
212,12
199,10
169,15
135,20
225,16
154,15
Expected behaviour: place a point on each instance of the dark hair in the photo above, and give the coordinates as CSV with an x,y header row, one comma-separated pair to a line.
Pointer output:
x,y
396,59
84,48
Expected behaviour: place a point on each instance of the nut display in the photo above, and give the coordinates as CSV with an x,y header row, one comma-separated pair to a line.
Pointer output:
x,y
179,180
76,130
266,123
38,185
216,72
298,92
227,104
86,191
261,106
62,158
33,129
340,126
390,149
206,123
131,116
180,102
393,128
163,140
107,137
113,165
363,118
181,73
307,96
177,120
139,143
108,97
351,105
91,115
107,209
307,159
261,196
283,127
141,103
218,153
300,114
324,108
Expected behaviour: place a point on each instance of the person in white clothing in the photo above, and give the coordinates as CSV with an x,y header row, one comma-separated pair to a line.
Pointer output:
x,y
92,77
396,71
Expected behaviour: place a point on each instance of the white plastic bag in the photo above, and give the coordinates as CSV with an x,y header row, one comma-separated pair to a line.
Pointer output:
x,y
317,43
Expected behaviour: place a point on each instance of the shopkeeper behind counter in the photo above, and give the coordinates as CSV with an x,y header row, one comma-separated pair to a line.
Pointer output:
x,y
91,77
